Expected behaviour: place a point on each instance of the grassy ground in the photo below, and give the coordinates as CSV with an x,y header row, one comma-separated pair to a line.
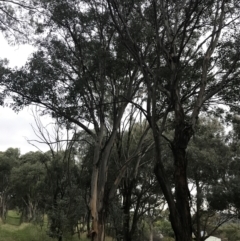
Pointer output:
x,y
28,232
230,232
13,218
23,232
13,231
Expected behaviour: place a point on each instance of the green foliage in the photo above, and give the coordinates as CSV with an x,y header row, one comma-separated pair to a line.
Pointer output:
x,y
27,185
64,204
209,156
95,58
43,182
230,231
165,228
8,160
18,19
211,172
218,199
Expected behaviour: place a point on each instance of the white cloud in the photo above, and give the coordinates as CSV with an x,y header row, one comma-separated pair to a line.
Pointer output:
x,y
17,55
16,128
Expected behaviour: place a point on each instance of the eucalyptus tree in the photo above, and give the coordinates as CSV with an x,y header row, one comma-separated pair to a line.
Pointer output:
x,y
28,186
82,75
188,54
126,160
233,177
8,160
94,56
18,19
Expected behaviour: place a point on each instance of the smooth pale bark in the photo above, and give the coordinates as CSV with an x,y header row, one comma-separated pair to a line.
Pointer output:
x,y
151,231
102,153
97,205
93,201
199,201
99,178
31,210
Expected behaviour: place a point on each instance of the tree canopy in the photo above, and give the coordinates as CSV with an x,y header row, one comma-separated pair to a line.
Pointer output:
x,y
103,66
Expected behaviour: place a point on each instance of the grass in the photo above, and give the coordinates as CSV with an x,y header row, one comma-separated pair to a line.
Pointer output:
x,y
13,213
230,232
13,218
30,232
23,232
13,231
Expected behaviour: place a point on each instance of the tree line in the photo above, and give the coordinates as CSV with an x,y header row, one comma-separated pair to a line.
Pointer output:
x,y
100,65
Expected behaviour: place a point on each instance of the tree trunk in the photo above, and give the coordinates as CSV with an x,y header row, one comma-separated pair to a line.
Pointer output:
x,y
183,133
178,204
23,215
30,211
94,191
88,221
199,201
101,225
97,205
182,195
127,191
98,227
3,207
151,231
102,152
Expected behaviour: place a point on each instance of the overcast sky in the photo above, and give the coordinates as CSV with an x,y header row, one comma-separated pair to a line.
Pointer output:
x,y
15,128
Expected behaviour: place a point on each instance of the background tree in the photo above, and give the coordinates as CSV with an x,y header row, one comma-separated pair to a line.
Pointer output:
x,y
8,160
63,203
28,186
233,168
136,190
63,200
209,157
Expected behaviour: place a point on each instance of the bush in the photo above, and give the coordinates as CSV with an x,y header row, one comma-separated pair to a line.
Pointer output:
x,y
230,232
